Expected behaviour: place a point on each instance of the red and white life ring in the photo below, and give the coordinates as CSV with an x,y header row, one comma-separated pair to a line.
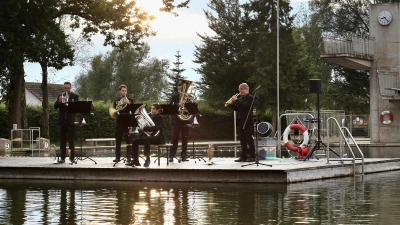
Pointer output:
x,y
383,115
303,148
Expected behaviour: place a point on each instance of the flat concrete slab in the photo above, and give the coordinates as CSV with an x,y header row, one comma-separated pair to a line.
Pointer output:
x,y
194,170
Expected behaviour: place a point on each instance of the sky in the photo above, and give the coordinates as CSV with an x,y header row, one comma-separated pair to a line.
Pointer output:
x,y
173,34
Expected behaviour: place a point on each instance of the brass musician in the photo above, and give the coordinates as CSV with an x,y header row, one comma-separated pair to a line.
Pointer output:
x,y
121,128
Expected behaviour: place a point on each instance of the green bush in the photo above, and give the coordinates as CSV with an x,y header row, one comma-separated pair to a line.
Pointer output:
x,y
213,125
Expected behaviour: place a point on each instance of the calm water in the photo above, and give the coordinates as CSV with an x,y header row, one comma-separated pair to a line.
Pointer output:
x,y
374,200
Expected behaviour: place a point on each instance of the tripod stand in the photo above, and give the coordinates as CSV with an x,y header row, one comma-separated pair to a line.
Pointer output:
x,y
318,143
81,157
81,107
193,155
256,162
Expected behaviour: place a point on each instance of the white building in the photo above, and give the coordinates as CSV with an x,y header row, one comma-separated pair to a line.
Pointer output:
x,y
34,96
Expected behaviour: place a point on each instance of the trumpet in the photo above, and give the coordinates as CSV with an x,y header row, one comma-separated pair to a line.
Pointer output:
x,y
64,98
229,102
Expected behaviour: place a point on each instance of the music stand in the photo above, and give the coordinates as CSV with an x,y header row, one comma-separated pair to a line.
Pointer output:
x,y
193,110
80,107
168,109
127,116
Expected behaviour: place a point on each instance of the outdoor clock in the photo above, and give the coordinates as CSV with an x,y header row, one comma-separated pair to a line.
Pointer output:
x,y
384,18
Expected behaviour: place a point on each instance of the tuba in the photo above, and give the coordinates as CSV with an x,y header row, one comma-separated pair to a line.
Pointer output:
x,y
185,97
143,119
121,104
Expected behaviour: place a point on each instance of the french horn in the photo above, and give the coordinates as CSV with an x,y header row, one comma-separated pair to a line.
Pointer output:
x,y
121,104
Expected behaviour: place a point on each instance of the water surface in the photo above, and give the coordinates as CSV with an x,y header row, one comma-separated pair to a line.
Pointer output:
x,y
374,200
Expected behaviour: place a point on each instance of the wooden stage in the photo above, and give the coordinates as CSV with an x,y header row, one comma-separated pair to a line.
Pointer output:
x,y
223,169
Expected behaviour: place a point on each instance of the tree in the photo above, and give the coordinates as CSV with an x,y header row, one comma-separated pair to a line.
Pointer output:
x,y
244,50
176,75
28,32
341,19
145,77
221,56
14,41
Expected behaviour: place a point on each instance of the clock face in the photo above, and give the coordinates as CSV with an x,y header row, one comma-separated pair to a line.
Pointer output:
x,y
384,18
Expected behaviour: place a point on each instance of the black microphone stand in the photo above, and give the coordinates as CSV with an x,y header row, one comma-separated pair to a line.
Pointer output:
x,y
256,156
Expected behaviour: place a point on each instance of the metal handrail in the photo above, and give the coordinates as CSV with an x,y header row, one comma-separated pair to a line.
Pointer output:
x,y
347,144
31,131
353,45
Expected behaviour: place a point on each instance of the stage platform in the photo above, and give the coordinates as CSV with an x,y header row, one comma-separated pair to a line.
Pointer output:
x,y
222,170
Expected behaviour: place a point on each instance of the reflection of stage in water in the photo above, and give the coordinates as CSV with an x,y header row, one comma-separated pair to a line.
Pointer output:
x,y
132,202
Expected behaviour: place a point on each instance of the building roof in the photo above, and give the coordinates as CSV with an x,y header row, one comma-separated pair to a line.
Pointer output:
x,y
53,90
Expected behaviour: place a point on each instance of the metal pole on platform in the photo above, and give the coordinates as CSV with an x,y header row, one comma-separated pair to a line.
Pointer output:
x,y
234,125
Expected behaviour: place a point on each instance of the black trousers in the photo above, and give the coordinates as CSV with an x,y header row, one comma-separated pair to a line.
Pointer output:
x,y
119,133
146,141
246,139
177,129
66,131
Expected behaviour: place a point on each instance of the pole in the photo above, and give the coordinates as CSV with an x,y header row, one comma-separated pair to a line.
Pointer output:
x,y
277,63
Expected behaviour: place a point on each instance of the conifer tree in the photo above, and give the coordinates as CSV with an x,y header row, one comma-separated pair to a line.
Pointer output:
x,y
176,75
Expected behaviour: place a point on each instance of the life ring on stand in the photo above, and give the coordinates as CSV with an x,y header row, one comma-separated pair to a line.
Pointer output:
x,y
302,150
390,117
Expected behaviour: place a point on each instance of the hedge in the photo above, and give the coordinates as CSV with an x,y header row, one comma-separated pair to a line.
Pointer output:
x,y
213,126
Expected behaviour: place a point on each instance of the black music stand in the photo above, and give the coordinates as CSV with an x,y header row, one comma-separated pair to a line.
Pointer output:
x,y
80,107
169,110
193,110
127,116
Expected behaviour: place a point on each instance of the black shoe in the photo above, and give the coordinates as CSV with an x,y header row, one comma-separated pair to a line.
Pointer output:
x,y
241,159
147,162
116,160
171,159
129,163
183,158
251,159
136,163
61,161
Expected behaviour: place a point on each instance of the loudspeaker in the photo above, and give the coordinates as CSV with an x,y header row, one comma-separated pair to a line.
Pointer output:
x,y
315,86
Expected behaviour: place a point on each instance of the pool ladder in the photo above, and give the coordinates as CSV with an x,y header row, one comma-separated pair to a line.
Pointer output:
x,y
343,157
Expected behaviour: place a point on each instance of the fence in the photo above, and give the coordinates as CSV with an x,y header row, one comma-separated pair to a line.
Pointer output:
x,y
358,125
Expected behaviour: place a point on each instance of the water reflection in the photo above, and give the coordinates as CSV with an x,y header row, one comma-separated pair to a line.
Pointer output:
x,y
374,200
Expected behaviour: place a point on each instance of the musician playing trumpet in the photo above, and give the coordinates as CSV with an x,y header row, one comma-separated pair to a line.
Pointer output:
x,y
121,127
243,106
66,121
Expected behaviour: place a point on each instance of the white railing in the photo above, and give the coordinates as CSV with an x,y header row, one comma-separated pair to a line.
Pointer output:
x,y
355,45
18,139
